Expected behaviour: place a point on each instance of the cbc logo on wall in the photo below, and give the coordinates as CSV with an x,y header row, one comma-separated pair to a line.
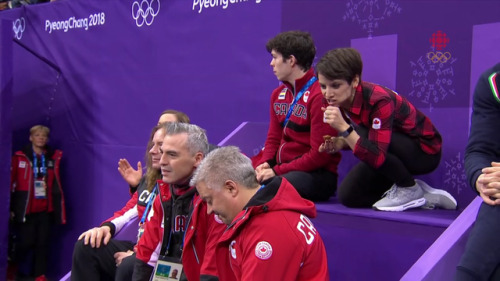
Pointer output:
x,y
18,27
145,11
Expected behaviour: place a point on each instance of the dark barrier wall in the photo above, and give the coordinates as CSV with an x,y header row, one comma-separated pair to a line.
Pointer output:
x,y
99,73
5,135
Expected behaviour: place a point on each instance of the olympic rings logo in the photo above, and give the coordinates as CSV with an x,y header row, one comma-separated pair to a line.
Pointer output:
x,y
18,27
145,12
438,57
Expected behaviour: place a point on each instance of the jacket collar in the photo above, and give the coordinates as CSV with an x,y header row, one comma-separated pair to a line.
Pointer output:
x,y
299,83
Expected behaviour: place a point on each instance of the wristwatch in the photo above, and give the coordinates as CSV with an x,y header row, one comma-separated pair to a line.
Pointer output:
x,y
347,132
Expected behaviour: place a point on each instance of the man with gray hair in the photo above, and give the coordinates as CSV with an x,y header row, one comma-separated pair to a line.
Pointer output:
x,y
179,235
269,234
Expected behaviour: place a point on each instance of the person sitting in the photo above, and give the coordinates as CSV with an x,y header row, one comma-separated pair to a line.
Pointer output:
x,y
133,176
481,258
296,129
269,234
97,255
179,234
393,139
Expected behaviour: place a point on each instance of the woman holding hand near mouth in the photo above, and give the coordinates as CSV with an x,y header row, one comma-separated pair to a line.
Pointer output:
x,y
393,139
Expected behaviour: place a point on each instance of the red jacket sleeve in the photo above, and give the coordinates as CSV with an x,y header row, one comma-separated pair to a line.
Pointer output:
x,y
123,216
373,150
215,229
313,159
274,134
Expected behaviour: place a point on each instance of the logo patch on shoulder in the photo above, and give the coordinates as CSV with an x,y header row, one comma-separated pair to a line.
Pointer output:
x,y
217,219
306,96
22,164
263,250
376,123
232,249
282,94
494,80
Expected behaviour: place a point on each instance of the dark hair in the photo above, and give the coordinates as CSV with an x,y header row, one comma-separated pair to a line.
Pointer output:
x,y
297,43
181,116
341,63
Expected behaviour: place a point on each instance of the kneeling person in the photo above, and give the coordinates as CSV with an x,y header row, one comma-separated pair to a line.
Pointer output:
x,y
269,234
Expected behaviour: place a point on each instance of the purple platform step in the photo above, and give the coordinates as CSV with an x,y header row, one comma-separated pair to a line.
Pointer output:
x,y
364,244
441,258
248,136
437,217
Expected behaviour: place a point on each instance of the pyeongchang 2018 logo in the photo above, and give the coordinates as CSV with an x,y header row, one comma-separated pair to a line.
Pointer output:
x,y
144,12
18,27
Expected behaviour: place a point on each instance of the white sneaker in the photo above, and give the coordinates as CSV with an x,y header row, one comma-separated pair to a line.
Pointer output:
x,y
436,198
398,199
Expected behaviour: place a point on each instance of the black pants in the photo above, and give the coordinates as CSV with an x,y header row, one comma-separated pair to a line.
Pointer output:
x,y
318,185
364,185
481,259
32,237
99,263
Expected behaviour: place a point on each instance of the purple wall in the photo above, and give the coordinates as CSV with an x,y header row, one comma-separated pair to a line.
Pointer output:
x,y
396,38
101,88
5,135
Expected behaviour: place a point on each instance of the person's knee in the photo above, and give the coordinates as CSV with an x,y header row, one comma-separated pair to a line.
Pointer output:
x,y
126,269
80,249
346,198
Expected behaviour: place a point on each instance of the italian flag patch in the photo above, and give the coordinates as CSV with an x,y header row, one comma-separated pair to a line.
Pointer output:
x,y
494,80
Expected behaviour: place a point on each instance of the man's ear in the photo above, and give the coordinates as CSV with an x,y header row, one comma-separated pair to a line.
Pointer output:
x,y
231,187
198,157
292,60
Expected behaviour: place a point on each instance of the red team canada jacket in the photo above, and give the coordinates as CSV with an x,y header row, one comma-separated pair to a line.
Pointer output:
x,y
22,184
273,239
199,234
295,147
202,234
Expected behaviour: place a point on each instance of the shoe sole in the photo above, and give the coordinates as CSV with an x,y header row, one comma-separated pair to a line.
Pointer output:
x,y
412,204
437,197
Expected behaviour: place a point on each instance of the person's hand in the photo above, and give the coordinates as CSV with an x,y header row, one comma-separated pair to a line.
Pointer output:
x,y
261,167
333,117
488,184
265,174
129,174
332,145
119,256
96,235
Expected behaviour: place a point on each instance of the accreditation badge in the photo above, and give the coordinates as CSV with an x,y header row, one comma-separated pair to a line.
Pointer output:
x,y
167,268
40,190
140,231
